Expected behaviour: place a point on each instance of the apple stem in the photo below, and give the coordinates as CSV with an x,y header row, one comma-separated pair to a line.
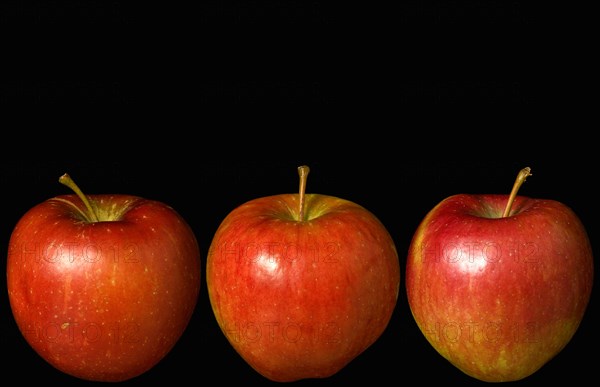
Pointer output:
x,y
303,171
66,180
521,177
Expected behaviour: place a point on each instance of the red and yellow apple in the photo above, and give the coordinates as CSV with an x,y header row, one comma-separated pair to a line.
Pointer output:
x,y
301,284
102,286
498,284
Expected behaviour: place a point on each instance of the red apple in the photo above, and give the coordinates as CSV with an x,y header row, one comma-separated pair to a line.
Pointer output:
x,y
102,286
498,284
301,284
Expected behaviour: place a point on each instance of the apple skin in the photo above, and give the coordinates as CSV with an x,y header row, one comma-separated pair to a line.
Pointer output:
x,y
302,299
103,301
499,297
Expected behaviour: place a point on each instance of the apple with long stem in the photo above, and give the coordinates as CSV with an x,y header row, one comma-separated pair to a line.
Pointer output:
x,y
499,284
301,284
102,286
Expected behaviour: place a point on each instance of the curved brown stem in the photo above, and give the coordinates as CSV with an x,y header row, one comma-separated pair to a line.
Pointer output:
x,y
521,177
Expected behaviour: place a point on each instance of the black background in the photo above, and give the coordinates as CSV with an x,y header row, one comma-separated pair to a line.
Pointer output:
x,y
399,194
207,106
291,51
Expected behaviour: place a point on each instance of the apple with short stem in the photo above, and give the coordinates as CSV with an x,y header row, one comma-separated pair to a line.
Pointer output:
x,y
499,284
301,284
102,286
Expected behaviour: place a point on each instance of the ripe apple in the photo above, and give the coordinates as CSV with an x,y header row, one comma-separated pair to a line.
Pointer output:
x,y
102,286
498,284
301,284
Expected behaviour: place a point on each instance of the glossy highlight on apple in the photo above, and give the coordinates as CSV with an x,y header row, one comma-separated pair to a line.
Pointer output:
x,y
327,252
